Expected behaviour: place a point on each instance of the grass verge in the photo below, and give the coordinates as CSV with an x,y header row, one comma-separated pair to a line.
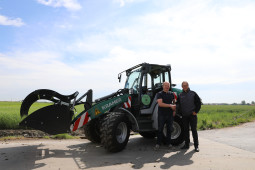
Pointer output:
x,y
59,136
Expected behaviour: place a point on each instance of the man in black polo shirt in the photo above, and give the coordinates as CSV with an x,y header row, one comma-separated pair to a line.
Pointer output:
x,y
166,108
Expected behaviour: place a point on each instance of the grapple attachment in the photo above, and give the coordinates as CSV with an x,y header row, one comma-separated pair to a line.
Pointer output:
x,y
53,119
45,94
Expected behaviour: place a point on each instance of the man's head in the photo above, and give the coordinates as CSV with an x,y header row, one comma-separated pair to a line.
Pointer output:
x,y
166,86
185,85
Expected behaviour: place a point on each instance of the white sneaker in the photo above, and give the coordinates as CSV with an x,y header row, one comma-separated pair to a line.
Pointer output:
x,y
156,147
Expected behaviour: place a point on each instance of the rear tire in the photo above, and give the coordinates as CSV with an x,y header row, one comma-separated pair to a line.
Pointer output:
x,y
115,131
177,135
148,135
92,132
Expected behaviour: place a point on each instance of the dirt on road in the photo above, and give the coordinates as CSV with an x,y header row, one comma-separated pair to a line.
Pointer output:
x,y
217,151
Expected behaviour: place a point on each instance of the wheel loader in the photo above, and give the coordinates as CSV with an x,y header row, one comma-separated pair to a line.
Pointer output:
x,y
109,119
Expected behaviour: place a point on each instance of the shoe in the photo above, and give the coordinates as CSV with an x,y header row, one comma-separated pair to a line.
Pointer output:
x,y
185,147
196,149
156,147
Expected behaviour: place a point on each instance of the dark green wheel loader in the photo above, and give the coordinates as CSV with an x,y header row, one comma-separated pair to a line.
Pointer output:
x,y
107,120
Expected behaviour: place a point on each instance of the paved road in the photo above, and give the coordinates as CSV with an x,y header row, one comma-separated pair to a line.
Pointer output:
x,y
242,136
218,151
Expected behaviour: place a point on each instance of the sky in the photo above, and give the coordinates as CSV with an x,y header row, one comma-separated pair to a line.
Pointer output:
x,y
77,45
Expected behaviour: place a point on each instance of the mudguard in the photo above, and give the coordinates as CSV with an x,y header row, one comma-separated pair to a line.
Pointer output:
x,y
99,109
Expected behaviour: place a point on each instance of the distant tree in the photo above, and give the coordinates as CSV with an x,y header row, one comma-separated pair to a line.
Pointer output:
x,y
243,102
252,102
234,103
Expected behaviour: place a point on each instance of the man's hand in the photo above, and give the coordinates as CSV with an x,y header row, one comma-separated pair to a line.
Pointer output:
x,y
172,106
194,113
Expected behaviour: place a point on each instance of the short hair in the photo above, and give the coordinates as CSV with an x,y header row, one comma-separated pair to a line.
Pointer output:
x,y
185,82
166,82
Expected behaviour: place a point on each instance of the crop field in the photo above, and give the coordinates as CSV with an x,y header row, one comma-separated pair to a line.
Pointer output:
x,y
209,117
10,113
219,116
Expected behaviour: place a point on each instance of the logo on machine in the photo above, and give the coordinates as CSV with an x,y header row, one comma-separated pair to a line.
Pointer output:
x,y
108,105
97,112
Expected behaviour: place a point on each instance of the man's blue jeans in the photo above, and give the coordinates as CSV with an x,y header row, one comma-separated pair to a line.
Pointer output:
x,y
162,120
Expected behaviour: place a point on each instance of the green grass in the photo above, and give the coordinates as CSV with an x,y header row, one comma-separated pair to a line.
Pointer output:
x,y
64,136
10,113
219,116
11,138
59,136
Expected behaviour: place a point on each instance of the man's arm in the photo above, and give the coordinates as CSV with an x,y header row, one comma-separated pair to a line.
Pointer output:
x,y
161,104
197,103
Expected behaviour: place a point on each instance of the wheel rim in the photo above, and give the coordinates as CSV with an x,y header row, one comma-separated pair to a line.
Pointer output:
x,y
176,130
121,132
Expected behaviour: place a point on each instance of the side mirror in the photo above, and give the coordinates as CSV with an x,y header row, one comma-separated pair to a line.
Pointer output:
x,y
119,77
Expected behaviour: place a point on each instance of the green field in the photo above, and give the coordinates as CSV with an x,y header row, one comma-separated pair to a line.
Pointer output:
x,y
210,116
219,116
10,113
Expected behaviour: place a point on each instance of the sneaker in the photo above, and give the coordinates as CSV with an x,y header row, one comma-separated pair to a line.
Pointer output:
x,y
196,149
156,147
185,147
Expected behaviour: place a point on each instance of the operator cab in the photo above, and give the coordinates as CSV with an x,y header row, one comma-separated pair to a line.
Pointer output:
x,y
144,81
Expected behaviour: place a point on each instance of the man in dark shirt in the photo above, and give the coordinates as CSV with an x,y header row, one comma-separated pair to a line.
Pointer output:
x,y
189,105
166,108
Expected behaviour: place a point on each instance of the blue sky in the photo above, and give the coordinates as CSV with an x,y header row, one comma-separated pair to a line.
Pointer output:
x,y
69,45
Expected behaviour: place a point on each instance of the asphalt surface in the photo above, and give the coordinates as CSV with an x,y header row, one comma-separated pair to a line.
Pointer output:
x,y
219,149
242,136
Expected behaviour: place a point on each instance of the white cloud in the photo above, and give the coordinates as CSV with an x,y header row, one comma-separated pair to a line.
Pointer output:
x,y
35,70
124,2
205,44
98,43
208,41
9,21
69,4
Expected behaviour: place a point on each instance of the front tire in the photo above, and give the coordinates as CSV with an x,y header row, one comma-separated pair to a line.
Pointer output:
x,y
92,132
115,131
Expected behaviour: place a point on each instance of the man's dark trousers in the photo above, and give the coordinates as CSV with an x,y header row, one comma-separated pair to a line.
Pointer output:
x,y
192,122
162,120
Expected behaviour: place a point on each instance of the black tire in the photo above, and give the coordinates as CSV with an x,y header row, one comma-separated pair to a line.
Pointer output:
x,y
92,132
115,131
177,135
148,135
